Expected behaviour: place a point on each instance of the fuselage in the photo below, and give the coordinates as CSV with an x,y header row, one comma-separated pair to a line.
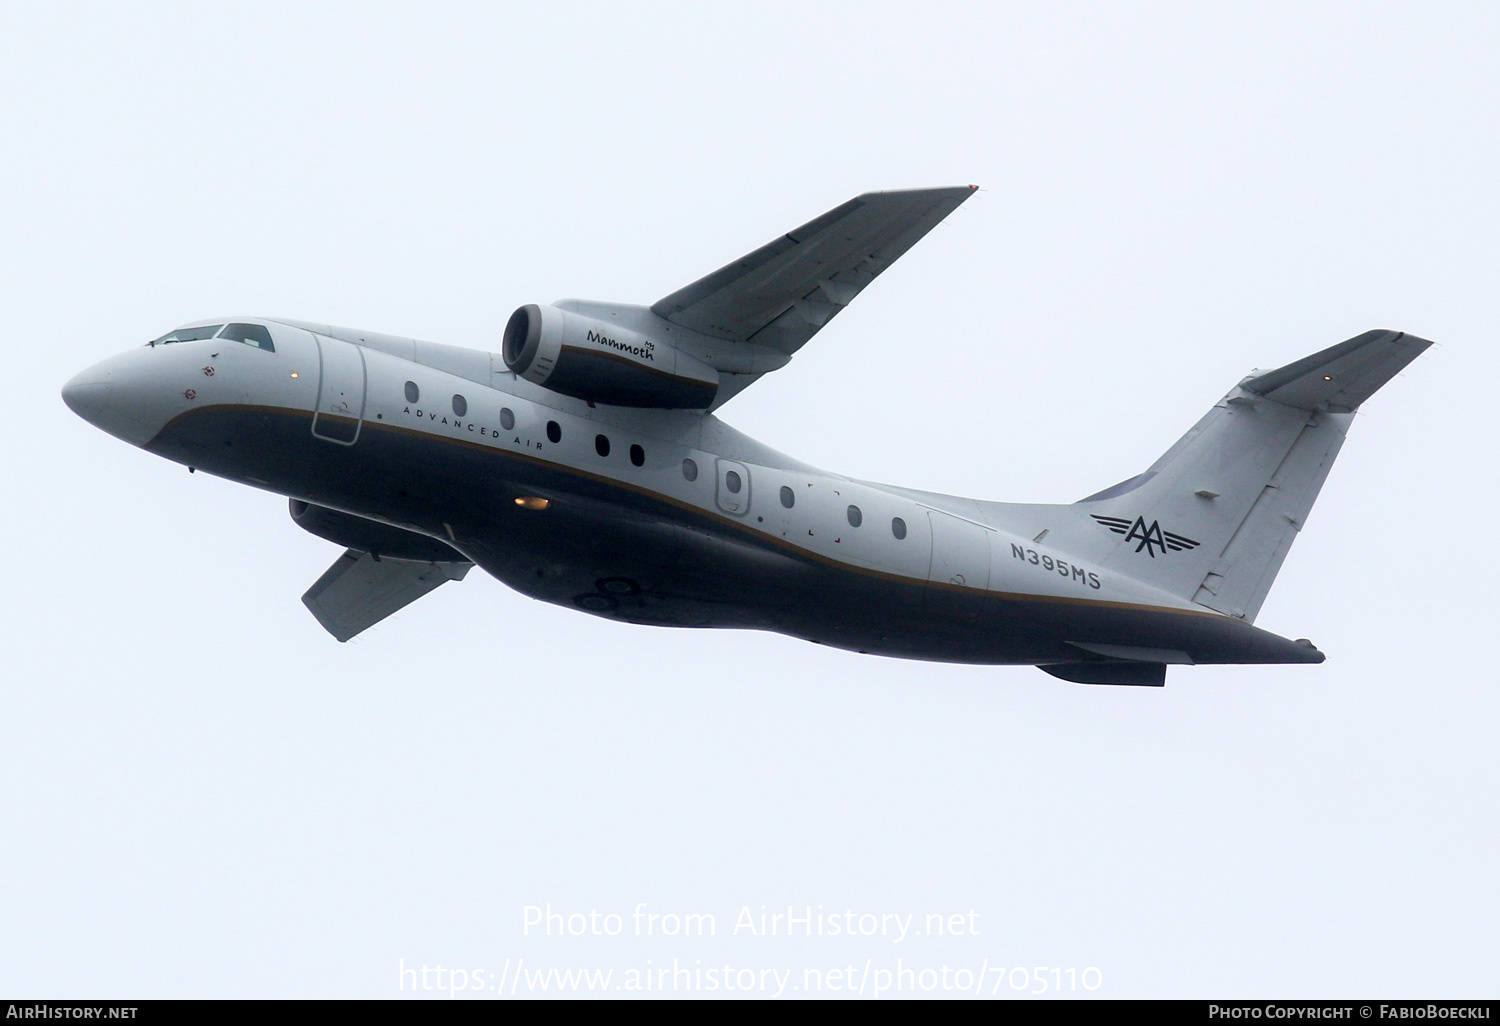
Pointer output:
x,y
663,517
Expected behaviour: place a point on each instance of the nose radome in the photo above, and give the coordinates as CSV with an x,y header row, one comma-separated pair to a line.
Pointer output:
x,y
87,394
119,396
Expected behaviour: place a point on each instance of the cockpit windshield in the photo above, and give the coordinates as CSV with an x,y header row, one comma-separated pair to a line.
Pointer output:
x,y
187,335
250,334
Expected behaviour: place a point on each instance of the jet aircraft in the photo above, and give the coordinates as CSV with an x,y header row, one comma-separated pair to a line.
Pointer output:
x,y
583,464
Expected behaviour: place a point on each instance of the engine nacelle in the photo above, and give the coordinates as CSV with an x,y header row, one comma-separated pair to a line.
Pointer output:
x,y
370,535
603,363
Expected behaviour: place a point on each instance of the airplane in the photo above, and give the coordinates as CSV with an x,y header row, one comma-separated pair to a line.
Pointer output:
x,y
583,464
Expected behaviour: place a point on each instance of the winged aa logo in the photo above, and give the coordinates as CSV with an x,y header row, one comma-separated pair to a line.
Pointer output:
x,y
1150,538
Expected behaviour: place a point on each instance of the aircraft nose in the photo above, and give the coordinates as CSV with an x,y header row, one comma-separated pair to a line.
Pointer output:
x,y
87,394
119,396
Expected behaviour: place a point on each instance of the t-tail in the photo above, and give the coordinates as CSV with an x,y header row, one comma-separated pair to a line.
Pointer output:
x,y
1213,519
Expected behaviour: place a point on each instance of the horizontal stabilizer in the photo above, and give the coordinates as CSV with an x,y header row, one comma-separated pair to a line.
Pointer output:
x,y
1340,377
360,589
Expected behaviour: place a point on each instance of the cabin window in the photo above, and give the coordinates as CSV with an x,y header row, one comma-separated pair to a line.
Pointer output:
x,y
460,406
690,470
554,432
898,527
601,445
732,482
637,456
788,497
412,392
855,516
251,334
507,419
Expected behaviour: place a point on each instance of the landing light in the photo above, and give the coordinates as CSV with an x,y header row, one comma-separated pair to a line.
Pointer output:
x,y
294,374
532,502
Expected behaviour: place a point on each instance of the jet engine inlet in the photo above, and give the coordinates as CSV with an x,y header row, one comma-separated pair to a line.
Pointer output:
x,y
523,334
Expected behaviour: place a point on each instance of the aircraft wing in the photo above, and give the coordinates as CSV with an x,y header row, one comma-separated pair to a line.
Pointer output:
x,y
360,590
782,293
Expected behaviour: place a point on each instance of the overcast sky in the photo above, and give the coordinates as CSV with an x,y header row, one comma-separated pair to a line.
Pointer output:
x,y
203,794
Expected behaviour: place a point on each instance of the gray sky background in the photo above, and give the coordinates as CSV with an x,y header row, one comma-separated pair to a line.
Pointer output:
x,y
202,794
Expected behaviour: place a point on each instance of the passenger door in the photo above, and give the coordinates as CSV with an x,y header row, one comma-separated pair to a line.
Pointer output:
x,y
341,391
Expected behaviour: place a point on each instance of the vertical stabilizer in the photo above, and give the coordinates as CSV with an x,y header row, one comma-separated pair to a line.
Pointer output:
x,y
1213,519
